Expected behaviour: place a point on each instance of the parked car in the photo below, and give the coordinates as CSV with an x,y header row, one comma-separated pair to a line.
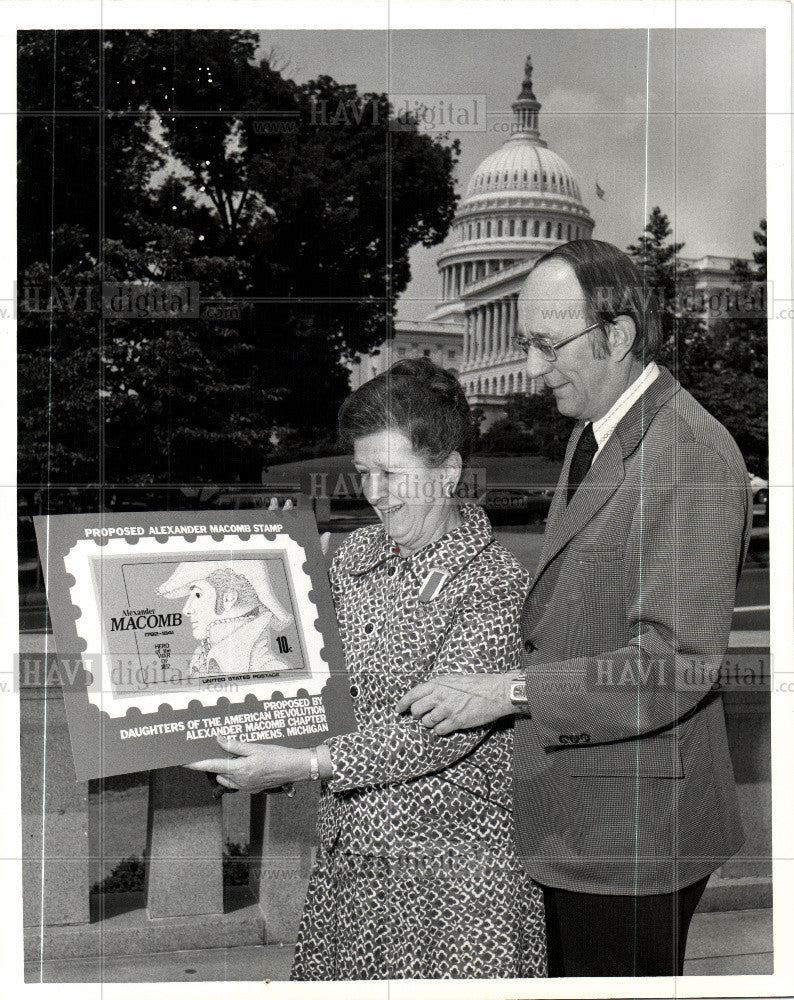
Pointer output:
x,y
516,504
760,488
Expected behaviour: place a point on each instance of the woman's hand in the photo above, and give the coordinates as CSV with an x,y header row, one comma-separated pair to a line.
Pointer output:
x,y
257,765
325,538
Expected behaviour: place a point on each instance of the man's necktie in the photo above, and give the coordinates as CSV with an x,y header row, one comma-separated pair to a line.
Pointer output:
x,y
586,447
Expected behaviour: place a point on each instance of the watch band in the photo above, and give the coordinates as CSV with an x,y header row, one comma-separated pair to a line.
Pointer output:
x,y
314,764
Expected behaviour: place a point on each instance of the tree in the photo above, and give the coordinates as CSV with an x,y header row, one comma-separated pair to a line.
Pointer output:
x,y
532,425
146,400
85,150
658,262
723,363
296,222
738,381
666,278
742,272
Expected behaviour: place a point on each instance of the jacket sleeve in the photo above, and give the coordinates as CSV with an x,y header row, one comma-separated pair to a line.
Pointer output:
x,y
685,544
483,636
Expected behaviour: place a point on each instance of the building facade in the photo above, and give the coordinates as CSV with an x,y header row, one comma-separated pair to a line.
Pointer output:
x,y
522,201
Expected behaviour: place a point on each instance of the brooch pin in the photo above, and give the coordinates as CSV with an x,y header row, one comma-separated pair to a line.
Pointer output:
x,y
433,584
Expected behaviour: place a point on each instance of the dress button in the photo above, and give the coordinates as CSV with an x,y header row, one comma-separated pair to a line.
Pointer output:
x,y
391,570
368,627
353,691
529,646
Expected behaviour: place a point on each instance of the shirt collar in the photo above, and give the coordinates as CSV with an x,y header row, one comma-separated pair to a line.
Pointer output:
x,y
603,428
451,552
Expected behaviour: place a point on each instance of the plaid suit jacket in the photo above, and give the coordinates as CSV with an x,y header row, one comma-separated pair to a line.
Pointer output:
x,y
622,778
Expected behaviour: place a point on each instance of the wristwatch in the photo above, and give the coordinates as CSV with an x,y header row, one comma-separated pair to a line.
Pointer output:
x,y
518,694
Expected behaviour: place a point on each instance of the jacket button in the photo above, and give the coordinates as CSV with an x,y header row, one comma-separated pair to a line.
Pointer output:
x,y
353,691
391,570
368,627
529,646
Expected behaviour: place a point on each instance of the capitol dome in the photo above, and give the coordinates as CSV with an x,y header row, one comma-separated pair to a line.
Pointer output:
x,y
522,201
523,165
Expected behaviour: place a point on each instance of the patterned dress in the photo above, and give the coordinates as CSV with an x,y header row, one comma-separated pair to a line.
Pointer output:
x,y
416,874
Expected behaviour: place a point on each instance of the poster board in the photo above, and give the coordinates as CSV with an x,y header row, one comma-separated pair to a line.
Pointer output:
x,y
174,628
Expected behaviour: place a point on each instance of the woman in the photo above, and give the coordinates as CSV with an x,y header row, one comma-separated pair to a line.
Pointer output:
x,y
416,876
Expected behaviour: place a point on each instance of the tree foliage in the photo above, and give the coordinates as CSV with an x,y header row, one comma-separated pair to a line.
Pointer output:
x,y
165,156
532,425
722,362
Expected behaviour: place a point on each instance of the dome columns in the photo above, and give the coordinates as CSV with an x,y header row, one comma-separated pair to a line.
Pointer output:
x,y
452,281
489,331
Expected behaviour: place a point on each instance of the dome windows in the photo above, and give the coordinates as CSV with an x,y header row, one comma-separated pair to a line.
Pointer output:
x,y
499,228
488,228
523,227
548,230
536,228
512,227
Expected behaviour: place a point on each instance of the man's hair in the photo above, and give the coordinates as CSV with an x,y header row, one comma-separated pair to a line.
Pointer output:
x,y
424,402
613,286
226,580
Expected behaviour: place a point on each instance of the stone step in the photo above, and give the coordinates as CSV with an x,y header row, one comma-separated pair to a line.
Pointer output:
x,y
750,892
125,928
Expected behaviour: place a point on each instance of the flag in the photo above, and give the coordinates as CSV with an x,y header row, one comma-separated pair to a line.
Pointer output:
x,y
600,191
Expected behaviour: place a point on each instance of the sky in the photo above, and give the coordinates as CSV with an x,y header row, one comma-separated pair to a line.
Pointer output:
x,y
685,107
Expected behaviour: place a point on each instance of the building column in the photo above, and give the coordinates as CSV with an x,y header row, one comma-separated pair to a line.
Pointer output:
x,y
494,330
465,341
502,329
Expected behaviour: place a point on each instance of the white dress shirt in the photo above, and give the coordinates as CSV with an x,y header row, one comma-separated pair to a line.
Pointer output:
x,y
603,428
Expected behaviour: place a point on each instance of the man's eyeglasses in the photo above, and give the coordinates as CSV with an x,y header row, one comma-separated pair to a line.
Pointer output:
x,y
545,346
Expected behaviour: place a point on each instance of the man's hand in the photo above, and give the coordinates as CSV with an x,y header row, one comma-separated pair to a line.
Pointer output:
x,y
459,701
257,766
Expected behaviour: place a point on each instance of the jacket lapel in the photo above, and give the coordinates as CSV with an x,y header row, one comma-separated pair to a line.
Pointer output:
x,y
601,481
606,473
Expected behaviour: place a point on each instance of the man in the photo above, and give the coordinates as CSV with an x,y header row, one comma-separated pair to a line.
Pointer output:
x,y
623,789
231,613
